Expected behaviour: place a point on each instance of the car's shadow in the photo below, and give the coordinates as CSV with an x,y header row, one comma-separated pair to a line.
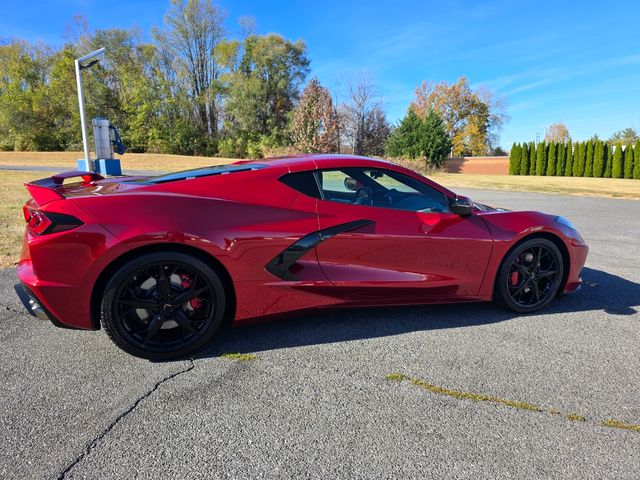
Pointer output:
x,y
601,291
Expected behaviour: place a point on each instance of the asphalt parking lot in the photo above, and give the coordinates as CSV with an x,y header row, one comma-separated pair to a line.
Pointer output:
x,y
315,401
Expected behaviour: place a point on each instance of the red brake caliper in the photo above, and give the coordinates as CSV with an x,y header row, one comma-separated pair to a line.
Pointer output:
x,y
186,283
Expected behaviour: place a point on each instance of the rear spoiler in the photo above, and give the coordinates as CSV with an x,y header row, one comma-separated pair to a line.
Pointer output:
x,y
44,190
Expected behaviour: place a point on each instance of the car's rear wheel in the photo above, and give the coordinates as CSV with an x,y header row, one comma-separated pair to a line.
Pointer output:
x,y
163,305
530,276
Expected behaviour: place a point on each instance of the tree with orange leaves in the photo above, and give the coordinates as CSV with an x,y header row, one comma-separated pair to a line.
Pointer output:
x,y
473,119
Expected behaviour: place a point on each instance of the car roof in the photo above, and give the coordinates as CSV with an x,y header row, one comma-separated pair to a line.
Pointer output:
x,y
313,161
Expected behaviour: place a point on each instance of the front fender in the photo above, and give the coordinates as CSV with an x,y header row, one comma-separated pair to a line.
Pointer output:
x,y
510,228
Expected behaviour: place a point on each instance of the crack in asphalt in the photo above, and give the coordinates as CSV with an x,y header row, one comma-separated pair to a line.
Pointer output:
x,y
94,443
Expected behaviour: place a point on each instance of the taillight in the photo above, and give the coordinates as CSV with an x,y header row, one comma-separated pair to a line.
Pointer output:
x,y
41,223
26,211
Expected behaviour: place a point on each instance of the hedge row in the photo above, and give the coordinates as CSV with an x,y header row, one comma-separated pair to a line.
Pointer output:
x,y
581,159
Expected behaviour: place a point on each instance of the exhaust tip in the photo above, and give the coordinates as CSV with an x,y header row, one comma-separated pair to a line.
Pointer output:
x,y
30,303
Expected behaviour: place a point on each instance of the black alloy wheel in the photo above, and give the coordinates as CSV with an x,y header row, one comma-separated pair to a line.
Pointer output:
x,y
163,305
530,277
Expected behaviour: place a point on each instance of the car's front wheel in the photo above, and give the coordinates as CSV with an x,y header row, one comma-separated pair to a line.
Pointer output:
x,y
530,276
163,305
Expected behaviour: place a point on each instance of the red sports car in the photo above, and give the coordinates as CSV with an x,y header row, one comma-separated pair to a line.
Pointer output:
x,y
162,262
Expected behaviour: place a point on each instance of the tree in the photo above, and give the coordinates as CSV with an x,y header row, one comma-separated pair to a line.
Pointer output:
x,y
617,164
415,138
498,151
376,132
512,153
437,144
58,103
608,160
568,161
636,160
562,156
315,120
541,159
598,159
524,160
625,136
628,161
552,159
588,166
262,87
472,119
406,139
557,132
365,125
515,159
579,158
22,82
532,158
128,89
194,29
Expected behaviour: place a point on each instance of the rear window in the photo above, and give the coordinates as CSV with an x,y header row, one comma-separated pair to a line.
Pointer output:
x,y
303,182
201,172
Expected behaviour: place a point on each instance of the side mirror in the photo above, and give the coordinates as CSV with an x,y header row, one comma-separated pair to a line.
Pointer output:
x,y
461,206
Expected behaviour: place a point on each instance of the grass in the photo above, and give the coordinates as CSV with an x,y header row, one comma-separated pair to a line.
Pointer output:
x,y
595,187
129,161
241,357
12,197
612,423
574,417
478,397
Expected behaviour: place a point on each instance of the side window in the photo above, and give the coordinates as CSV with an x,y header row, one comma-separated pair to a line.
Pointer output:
x,y
303,182
337,185
378,187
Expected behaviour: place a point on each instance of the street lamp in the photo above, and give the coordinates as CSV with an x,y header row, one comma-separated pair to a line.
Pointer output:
x,y
544,131
83,117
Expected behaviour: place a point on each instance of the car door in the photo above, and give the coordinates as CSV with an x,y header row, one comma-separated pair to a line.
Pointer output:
x,y
387,235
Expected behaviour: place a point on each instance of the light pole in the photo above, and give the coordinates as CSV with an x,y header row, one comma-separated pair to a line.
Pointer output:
x,y
83,118
544,131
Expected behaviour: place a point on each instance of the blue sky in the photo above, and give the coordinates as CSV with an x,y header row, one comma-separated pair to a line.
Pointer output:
x,y
575,62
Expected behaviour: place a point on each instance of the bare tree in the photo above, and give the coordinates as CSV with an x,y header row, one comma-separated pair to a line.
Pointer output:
x,y
376,132
557,132
364,124
78,32
247,25
194,28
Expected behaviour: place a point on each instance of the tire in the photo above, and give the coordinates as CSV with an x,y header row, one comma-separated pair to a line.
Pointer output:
x,y
163,305
530,276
